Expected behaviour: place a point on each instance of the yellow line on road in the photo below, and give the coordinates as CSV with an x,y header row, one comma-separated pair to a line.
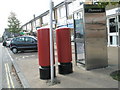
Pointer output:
x,y
8,82
10,76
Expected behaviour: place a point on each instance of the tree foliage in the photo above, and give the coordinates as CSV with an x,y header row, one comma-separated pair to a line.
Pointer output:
x,y
104,3
13,23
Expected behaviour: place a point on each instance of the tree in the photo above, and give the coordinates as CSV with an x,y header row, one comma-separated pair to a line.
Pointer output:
x,y
104,3
14,23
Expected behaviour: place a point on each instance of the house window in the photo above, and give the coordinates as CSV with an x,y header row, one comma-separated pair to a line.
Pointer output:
x,y
112,25
119,18
62,12
38,22
45,19
117,39
111,40
70,9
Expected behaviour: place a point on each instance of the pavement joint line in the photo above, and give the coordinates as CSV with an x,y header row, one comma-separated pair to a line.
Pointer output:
x,y
23,81
8,82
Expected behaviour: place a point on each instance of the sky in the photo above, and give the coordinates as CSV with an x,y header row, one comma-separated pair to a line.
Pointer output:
x,y
24,10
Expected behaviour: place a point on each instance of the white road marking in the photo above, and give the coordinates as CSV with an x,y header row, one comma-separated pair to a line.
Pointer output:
x,y
27,56
9,55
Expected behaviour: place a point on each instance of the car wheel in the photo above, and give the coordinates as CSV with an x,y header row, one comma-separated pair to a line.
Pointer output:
x,y
14,50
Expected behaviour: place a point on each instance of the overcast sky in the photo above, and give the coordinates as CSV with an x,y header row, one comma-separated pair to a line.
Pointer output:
x,y
24,9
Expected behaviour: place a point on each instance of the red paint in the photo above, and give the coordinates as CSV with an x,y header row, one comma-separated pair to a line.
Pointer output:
x,y
63,42
43,46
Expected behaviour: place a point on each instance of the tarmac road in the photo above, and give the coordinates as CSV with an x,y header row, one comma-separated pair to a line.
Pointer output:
x,y
8,77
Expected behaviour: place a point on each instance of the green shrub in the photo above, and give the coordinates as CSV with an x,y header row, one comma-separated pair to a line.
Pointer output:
x,y
116,75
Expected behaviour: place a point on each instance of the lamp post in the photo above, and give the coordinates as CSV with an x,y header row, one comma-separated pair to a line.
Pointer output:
x,y
51,42
34,21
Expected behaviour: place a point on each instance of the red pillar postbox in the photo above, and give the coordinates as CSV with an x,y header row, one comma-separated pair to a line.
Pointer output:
x,y
64,51
44,53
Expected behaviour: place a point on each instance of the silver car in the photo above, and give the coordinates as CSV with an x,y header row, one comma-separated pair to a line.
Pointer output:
x,y
8,41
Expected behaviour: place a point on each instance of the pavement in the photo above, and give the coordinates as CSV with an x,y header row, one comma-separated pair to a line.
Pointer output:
x,y
80,78
8,78
1,69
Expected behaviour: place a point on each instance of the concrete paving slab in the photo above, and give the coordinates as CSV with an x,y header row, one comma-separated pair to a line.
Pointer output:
x,y
80,78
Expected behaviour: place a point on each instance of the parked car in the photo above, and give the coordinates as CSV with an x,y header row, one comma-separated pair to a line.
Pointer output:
x,y
8,42
4,43
23,43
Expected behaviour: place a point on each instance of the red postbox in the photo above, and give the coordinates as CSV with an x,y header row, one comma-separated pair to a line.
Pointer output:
x,y
44,53
64,51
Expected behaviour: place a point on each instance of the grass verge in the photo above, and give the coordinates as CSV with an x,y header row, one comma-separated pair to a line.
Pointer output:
x,y
116,75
